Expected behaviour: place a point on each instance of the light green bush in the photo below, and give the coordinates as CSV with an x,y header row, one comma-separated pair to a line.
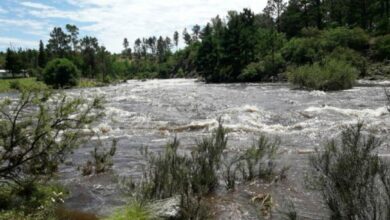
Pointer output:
x,y
332,75
133,211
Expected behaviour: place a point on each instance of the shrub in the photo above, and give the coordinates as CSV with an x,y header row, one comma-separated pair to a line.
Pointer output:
x,y
36,142
381,47
352,57
263,70
134,211
332,75
355,38
303,50
34,201
102,159
206,160
351,177
61,73
257,161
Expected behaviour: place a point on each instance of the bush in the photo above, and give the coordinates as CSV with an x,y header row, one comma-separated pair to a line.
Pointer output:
x,y
36,142
356,38
332,75
303,50
381,47
256,162
61,73
34,201
102,159
352,57
351,177
263,70
134,211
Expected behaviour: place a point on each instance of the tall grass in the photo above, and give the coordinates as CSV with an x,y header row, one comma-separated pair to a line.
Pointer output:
x,y
7,85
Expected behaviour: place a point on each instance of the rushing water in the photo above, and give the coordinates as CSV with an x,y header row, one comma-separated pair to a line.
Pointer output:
x,y
151,113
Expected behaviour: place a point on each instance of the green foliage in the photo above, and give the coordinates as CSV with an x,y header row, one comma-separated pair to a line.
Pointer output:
x,y
133,211
13,62
7,85
381,47
101,159
36,142
206,160
35,201
61,73
263,70
257,160
170,174
303,50
352,57
352,178
355,38
331,75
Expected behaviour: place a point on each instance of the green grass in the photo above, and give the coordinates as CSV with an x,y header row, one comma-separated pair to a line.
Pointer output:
x,y
88,83
7,85
134,211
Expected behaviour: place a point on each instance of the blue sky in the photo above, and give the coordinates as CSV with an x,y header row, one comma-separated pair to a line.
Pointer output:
x,y
24,23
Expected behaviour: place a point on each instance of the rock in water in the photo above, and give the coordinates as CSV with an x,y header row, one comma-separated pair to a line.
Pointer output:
x,y
167,208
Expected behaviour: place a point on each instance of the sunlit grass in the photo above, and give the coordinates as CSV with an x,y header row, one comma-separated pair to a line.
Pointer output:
x,y
7,85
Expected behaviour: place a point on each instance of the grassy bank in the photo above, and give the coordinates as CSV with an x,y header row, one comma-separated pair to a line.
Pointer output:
x,y
7,85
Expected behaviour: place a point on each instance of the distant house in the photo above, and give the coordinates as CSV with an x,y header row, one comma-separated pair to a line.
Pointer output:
x,y
3,73
6,74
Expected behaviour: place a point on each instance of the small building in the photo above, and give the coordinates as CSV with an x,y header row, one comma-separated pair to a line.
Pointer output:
x,y
3,73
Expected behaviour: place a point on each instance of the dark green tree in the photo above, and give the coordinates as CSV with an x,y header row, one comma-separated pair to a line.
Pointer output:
x,y
73,31
59,43
176,39
13,63
61,73
41,55
187,37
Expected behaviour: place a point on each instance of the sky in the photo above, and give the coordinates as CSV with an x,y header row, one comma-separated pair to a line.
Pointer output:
x,y
24,23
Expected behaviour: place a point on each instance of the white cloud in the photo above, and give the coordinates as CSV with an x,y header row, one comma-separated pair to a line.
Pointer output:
x,y
35,5
112,20
2,10
6,42
34,27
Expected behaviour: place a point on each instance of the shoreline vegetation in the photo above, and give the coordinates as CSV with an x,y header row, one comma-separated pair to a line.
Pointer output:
x,y
296,41
314,45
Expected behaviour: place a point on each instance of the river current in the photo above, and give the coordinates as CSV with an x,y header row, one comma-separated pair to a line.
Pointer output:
x,y
150,113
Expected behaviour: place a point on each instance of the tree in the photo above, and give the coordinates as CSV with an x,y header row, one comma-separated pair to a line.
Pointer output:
x,y
187,37
58,44
207,59
61,73
138,48
36,135
176,39
41,55
127,51
73,37
274,9
12,62
89,48
195,33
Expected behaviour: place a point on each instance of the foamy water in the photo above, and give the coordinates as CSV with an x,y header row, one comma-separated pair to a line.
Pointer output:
x,y
153,112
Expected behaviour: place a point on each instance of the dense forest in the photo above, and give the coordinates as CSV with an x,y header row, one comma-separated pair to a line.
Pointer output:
x,y
243,46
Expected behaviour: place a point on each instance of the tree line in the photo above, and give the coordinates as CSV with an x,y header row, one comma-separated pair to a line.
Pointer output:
x,y
243,46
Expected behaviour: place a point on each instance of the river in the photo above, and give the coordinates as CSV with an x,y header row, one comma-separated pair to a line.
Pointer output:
x,y
151,113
